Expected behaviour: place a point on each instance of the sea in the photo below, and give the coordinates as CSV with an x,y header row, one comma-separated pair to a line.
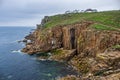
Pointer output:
x,y
15,65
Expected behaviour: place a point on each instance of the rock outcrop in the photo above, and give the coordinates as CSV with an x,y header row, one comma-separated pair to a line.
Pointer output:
x,y
43,40
76,36
88,50
62,55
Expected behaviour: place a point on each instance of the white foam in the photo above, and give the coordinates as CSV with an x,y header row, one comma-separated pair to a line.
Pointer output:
x,y
10,76
16,51
41,59
49,54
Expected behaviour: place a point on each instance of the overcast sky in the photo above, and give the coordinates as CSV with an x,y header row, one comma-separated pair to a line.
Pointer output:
x,y
30,12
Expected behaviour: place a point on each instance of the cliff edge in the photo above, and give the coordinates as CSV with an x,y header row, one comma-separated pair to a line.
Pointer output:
x,y
90,42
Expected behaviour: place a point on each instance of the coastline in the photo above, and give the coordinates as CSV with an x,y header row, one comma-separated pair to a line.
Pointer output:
x,y
93,53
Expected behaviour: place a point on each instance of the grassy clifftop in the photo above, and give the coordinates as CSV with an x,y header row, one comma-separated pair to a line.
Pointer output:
x,y
103,20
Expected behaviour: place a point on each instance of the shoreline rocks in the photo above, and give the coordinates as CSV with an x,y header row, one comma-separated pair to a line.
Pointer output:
x,y
91,52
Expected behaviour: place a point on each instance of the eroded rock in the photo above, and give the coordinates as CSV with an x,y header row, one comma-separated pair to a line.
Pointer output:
x,y
89,51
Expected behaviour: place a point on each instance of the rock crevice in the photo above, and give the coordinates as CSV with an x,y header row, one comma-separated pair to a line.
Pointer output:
x,y
92,48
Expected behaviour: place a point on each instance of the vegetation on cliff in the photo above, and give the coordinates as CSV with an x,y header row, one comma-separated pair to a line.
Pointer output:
x,y
107,20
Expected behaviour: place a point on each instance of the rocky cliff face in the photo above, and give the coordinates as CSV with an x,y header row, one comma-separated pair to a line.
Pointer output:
x,y
43,40
78,36
92,48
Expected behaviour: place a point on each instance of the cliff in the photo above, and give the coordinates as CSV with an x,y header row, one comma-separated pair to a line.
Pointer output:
x,y
90,43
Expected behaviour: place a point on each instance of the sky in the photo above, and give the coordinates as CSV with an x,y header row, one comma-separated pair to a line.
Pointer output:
x,y
30,12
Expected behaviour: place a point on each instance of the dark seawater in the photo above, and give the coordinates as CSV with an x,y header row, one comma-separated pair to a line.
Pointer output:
x,y
15,65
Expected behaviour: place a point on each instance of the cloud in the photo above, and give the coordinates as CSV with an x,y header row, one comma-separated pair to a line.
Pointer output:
x,y
28,12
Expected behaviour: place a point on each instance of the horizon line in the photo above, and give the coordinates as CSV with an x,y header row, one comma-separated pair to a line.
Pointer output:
x,y
15,26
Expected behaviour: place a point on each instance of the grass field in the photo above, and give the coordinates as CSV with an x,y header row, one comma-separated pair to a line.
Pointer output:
x,y
107,20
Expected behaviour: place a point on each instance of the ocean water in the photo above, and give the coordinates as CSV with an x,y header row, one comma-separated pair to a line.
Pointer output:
x,y
15,65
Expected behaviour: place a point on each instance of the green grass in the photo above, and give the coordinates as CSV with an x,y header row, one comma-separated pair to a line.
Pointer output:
x,y
108,18
55,52
116,46
104,27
